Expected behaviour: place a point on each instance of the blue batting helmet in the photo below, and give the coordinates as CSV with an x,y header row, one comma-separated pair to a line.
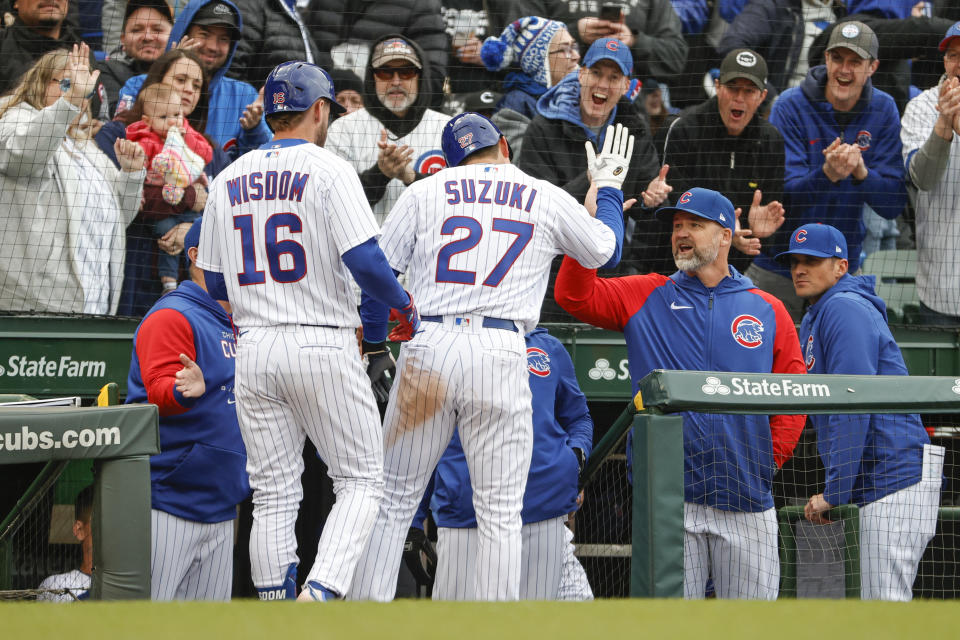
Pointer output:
x,y
466,133
295,86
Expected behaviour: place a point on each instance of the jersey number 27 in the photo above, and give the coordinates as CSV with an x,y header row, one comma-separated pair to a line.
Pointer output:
x,y
274,249
523,231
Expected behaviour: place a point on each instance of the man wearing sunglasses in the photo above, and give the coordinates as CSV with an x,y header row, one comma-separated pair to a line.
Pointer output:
x,y
395,139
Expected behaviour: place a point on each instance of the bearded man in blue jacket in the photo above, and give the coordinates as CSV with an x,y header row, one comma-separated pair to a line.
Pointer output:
x,y
883,463
842,143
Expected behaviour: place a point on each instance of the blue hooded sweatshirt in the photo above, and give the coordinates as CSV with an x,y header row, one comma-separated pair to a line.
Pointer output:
x,y
562,102
200,473
866,456
809,125
228,97
561,422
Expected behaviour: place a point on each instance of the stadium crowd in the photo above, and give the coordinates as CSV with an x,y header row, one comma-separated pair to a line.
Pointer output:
x,y
716,93
117,115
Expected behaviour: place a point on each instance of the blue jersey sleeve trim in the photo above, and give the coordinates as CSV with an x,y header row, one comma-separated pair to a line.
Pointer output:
x,y
610,213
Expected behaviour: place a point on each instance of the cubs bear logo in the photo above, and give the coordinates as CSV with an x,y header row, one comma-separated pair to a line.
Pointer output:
x,y
747,331
863,140
808,358
801,236
538,362
465,140
430,162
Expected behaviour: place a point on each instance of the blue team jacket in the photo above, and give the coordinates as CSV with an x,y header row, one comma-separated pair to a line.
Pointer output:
x,y
678,323
561,422
228,97
866,456
200,472
809,124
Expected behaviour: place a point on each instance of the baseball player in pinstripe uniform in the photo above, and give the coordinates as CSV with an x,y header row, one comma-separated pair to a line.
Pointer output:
x,y
285,224
562,440
183,362
476,241
883,463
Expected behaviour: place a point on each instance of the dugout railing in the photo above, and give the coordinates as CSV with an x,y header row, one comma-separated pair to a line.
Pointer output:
x,y
657,454
120,441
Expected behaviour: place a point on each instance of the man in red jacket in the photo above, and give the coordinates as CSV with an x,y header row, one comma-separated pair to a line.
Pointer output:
x,y
707,317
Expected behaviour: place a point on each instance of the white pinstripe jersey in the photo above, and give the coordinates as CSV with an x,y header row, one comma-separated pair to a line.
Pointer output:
x,y
276,223
479,239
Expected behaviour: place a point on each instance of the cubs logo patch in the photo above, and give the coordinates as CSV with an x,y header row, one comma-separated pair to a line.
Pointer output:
x,y
430,162
684,199
747,331
465,140
863,140
808,358
801,236
538,362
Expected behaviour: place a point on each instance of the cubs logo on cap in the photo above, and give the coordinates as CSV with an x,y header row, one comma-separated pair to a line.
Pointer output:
x,y
704,203
818,240
609,49
747,330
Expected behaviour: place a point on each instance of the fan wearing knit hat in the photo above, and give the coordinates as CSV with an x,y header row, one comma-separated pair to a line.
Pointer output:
x,y
539,52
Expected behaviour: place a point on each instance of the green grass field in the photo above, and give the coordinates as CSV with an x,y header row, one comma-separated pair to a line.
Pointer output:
x,y
419,620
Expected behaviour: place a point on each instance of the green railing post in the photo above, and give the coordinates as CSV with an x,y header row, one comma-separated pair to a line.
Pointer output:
x,y
849,515
657,569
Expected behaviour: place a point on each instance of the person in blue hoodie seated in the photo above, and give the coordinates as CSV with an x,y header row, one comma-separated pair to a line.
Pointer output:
x,y
211,29
882,463
842,143
183,362
537,53
562,441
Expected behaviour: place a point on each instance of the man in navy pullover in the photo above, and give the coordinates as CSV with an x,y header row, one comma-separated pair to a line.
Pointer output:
x,y
842,143
883,463
562,441
183,362
707,317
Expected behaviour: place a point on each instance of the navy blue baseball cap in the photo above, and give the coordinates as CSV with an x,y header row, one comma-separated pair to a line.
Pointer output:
x,y
704,203
952,32
610,49
192,239
818,240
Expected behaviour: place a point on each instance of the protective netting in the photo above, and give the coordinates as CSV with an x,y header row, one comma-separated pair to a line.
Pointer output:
x,y
757,532
40,553
86,231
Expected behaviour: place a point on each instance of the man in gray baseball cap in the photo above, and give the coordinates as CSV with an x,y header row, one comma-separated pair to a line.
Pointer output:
x,y
843,151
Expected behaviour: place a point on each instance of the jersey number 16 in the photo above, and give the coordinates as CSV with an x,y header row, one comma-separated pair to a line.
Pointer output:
x,y
274,249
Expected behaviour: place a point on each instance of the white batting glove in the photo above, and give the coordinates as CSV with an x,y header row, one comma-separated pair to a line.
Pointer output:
x,y
609,168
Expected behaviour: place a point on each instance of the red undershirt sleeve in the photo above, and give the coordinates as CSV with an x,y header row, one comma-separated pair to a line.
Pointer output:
x,y
163,336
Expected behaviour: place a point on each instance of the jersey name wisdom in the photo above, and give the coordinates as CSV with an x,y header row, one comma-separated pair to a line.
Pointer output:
x,y
267,186
512,194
